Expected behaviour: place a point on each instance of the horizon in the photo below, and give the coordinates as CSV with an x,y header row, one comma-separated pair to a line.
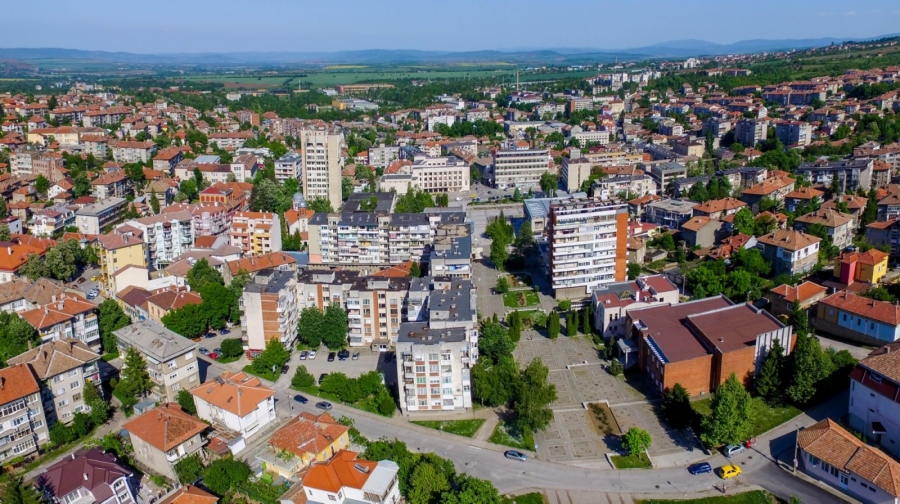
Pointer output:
x,y
504,26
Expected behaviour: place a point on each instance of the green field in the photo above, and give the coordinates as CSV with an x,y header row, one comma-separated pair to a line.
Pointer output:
x,y
639,461
507,435
466,428
511,299
765,417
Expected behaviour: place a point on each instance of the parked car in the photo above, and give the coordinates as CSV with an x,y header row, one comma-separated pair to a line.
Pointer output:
x,y
729,471
312,354
322,377
223,332
285,369
94,278
203,350
210,335
323,405
343,354
91,296
331,356
303,355
300,399
218,350
733,449
702,467
515,455
82,280
355,355
213,355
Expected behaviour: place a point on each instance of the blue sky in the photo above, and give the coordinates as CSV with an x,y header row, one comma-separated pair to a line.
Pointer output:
x,y
459,25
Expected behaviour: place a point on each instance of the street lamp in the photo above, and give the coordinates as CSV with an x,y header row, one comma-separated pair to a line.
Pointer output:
x,y
796,446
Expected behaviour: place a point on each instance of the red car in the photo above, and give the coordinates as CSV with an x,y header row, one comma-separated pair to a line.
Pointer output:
x,y
213,355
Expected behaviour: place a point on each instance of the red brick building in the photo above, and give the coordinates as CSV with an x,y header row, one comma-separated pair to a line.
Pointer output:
x,y
700,343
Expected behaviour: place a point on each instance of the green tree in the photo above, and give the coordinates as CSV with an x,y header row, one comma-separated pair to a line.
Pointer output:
x,y
634,271
222,475
186,400
799,319
743,222
189,321
731,418
201,274
751,260
41,185
769,383
135,380
636,441
15,491
274,357
494,341
415,270
525,239
515,324
310,326
82,186
320,205
502,286
4,231
302,378
110,317
499,254
870,214
15,336
586,326
676,407
426,484
809,365
232,347
154,202
335,327
189,469
99,409
698,193
553,325
549,184
135,173
216,305
471,490
533,397
33,268
571,324
493,383
59,266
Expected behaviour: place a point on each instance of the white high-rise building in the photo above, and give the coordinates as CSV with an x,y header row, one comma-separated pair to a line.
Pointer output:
x,y
516,165
321,171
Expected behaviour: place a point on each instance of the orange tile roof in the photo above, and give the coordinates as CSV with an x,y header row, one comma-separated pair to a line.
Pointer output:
x,y
16,382
768,186
189,494
260,262
881,311
165,427
831,443
789,239
397,271
827,217
805,193
802,292
720,205
173,300
308,434
339,472
237,393
870,257
696,223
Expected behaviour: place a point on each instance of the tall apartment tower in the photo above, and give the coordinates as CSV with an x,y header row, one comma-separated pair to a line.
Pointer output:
x,y
321,173
588,239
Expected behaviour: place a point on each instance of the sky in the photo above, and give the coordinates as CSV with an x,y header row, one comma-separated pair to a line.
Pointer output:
x,y
166,26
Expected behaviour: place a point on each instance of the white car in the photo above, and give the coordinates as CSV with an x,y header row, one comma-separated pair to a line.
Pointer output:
x,y
312,354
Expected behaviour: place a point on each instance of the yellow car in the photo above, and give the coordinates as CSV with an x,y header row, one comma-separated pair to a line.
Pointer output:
x,y
94,278
729,471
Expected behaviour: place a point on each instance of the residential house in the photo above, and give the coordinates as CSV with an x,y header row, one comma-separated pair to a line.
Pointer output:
x,y
351,480
171,358
839,226
719,208
160,304
612,302
237,402
65,368
23,425
858,318
22,294
669,212
167,159
66,317
832,455
878,234
849,204
889,205
783,297
702,231
88,476
164,436
188,494
699,344
799,197
869,266
789,252
305,440
118,250
773,188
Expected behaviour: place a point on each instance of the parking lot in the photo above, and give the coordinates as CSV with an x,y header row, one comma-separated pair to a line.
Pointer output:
x,y
367,361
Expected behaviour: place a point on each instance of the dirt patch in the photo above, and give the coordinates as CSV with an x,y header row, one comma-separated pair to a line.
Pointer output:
x,y
602,419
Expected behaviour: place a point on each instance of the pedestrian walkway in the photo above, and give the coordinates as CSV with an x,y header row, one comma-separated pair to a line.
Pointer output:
x,y
491,422
580,497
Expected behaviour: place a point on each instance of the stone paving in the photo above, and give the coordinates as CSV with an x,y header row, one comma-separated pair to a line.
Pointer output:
x,y
646,416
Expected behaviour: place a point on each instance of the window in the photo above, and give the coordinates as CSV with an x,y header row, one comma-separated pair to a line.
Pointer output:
x,y
73,373
173,376
62,403
74,385
875,377
420,369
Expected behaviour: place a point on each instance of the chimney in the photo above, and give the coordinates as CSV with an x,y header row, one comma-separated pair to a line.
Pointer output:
x,y
85,474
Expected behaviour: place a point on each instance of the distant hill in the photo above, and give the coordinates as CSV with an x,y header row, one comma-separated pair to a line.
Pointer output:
x,y
557,56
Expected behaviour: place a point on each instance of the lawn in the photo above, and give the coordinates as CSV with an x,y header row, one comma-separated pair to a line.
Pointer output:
x,y
268,375
754,497
466,428
226,360
529,498
639,461
508,435
518,299
535,318
765,417
365,404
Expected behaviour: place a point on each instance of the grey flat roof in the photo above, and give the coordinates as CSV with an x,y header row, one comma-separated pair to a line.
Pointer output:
x,y
277,280
419,332
154,340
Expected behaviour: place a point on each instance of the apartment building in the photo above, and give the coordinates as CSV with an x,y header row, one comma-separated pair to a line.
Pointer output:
x,y
434,357
164,436
23,426
451,252
611,187
256,233
171,358
50,221
663,173
793,133
94,218
789,252
132,152
839,226
32,163
166,236
64,368
113,184
851,174
167,159
440,175
230,140
858,318
382,156
587,246
321,171
670,213
774,188
613,301
118,250
874,406
518,166
269,310
749,132
66,317
238,403
574,172
288,166
243,168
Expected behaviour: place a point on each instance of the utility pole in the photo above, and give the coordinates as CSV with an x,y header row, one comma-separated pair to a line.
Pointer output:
x,y
796,446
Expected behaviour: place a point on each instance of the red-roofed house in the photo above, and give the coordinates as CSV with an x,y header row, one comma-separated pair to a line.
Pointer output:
x,y
869,266
784,296
346,478
88,476
308,439
858,318
163,436
237,402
